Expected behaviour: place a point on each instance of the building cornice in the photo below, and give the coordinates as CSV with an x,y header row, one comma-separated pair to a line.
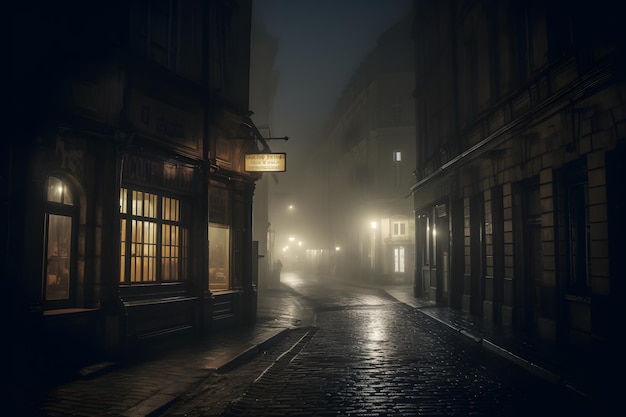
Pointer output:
x,y
593,81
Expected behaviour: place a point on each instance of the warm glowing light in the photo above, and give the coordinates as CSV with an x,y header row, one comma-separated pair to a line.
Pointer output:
x,y
299,243
434,232
290,206
337,248
291,238
374,225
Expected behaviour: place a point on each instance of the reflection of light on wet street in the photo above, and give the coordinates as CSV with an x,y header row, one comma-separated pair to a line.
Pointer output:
x,y
282,308
294,280
373,336
375,328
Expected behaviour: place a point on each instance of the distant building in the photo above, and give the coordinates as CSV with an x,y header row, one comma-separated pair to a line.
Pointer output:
x,y
521,120
361,172
128,208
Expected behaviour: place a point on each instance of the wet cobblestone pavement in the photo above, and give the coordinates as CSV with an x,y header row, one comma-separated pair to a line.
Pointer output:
x,y
368,355
323,348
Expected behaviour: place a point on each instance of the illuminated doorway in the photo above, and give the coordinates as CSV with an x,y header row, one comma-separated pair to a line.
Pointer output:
x,y
398,260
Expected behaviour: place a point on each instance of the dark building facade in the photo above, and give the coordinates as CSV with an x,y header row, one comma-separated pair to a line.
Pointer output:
x,y
521,121
128,209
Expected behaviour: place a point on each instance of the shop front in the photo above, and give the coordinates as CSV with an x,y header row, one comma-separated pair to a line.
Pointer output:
x,y
157,293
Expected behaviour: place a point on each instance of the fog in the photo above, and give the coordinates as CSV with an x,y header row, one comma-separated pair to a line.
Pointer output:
x,y
340,90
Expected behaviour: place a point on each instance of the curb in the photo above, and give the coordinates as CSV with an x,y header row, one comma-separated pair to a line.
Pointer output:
x,y
249,352
492,347
524,363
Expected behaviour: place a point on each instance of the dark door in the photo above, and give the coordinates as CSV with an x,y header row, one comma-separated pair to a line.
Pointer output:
x,y
457,260
441,235
497,213
531,254
476,254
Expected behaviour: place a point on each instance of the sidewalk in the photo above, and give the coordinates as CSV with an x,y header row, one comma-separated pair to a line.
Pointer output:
x,y
146,388
591,371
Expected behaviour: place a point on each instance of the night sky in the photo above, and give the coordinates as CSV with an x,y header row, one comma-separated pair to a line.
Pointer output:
x,y
321,44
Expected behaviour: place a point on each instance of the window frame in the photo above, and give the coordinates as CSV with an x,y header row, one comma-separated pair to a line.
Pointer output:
x,y
400,228
126,238
70,210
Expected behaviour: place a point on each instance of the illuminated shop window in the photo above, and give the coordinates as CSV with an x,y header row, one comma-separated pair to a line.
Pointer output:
x,y
154,244
219,257
59,241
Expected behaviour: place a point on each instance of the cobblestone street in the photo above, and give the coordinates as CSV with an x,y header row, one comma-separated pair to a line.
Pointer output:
x,y
368,355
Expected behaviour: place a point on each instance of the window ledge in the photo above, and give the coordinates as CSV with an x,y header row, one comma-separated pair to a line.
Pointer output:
x,y
63,311
161,300
224,292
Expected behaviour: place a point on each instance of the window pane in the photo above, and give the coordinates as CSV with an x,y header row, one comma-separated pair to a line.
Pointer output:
x,y
123,201
184,253
58,192
58,257
123,250
169,252
137,208
67,196
395,260
398,259
55,190
152,251
171,209
143,251
219,256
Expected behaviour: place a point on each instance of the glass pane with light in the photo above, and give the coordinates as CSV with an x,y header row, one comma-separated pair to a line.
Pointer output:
x,y
59,253
219,257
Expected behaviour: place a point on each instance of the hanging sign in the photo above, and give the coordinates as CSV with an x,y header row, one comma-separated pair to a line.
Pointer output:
x,y
266,162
